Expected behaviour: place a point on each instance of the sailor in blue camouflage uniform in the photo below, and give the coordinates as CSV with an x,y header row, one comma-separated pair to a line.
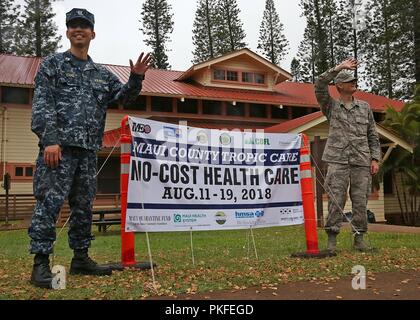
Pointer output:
x,y
352,151
68,116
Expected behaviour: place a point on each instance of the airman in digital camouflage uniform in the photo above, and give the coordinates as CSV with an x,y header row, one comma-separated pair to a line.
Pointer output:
x,y
352,151
68,116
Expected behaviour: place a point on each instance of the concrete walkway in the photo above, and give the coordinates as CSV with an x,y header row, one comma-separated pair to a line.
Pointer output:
x,y
388,228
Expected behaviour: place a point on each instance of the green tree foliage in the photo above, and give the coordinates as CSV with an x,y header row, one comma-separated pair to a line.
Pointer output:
x,y
313,51
306,55
272,42
295,70
157,27
37,32
204,31
8,19
403,165
388,47
230,34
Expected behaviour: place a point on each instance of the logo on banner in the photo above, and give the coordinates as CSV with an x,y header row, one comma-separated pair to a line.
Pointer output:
x,y
285,211
170,132
220,217
258,141
225,139
188,217
249,214
141,128
202,137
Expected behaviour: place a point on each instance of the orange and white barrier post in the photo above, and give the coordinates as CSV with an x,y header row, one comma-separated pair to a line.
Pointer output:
x,y
127,238
312,250
308,198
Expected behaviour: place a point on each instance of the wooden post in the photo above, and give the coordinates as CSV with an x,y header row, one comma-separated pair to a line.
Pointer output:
x,y
319,180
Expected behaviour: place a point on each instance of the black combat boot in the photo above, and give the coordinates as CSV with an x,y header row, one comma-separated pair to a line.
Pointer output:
x,y
41,272
83,264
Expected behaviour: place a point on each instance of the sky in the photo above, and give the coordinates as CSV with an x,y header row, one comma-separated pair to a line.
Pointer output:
x,y
119,39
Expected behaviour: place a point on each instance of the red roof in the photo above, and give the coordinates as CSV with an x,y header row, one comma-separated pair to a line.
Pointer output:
x,y
286,126
111,138
18,70
22,71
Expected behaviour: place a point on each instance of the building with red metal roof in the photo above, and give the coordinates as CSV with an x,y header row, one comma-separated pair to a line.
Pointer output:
x,y
237,90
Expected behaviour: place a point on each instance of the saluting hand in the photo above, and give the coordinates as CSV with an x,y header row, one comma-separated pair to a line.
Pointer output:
x,y
142,64
350,64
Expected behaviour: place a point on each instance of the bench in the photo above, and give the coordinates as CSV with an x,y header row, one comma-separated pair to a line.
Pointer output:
x,y
107,217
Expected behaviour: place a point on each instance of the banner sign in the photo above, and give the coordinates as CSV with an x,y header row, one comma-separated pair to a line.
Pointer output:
x,y
184,178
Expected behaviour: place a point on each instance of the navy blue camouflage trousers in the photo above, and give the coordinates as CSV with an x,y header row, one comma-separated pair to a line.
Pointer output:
x,y
75,179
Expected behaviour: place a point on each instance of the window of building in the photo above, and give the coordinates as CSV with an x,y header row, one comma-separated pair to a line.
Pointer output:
x,y
259,78
212,107
139,104
238,76
161,104
15,95
232,75
21,171
247,77
29,172
258,110
252,77
219,74
235,110
109,177
388,183
187,106
298,112
379,116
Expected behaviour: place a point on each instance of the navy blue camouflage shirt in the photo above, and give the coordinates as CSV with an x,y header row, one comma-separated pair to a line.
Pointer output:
x,y
71,98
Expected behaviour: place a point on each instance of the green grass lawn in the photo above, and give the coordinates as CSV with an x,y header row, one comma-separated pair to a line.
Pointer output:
x,y
223,260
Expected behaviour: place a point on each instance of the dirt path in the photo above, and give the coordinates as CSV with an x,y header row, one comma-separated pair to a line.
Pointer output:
x,y
404,285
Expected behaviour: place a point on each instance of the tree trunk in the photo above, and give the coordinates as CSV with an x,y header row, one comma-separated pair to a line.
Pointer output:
x,y
38,40
387,51
157,44
417,38
323,64
332,62
209,31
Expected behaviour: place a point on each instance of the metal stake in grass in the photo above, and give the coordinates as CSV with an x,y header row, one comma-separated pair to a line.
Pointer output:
x,y
253,241
151,260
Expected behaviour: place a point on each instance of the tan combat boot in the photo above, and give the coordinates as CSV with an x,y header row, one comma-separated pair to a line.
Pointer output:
x,y
360,244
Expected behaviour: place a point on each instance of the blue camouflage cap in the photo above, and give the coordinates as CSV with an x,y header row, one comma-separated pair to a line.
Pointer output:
x,y
77,13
